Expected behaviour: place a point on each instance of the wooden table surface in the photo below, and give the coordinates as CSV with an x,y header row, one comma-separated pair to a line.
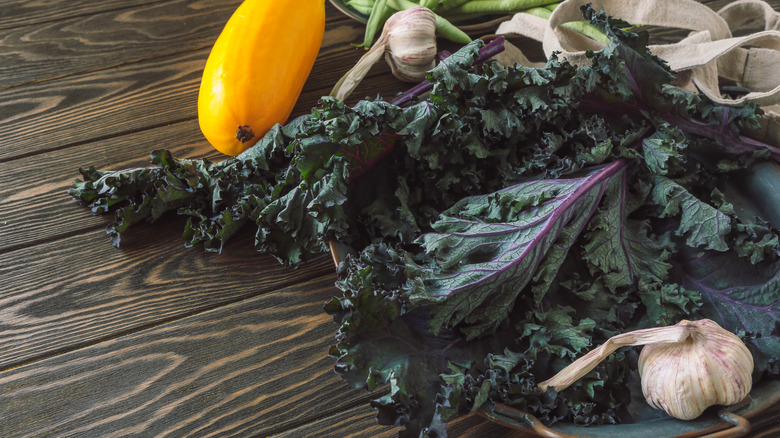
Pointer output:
x,y
154,339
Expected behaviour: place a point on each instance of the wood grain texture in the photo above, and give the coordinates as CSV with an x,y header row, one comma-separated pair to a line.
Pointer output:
x,y
41,210
87,42
766,425
248,369
17,13
55,114
81,290
359,421
99,41
29,12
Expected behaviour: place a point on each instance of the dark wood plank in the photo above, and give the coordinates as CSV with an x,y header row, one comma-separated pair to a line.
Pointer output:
x,y
253,368
766,424
51,115
359,421
17,13
81,290
97,41
36,207
26,12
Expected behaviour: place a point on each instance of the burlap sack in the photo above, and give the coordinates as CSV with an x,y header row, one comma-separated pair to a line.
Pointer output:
x,y
710,52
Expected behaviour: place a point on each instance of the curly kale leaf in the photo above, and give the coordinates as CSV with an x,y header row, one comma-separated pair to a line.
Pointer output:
x,y
435,377
486,249
737,294
381,342
218,197
620,249
504,261
701,223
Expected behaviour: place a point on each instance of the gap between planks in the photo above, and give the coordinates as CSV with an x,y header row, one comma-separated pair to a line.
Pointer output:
x,y
315,275
95,139
175,402
355,410
306,101
51,239
102,68
75,15
333,17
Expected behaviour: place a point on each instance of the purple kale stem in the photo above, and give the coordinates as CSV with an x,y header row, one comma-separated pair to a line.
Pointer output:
x,y
486,52
732,141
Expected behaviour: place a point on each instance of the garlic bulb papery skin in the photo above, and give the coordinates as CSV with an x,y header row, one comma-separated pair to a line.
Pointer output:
x,y
711,367
411,43
408,41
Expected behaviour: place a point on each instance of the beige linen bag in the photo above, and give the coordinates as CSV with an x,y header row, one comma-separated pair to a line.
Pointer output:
x,y
708,53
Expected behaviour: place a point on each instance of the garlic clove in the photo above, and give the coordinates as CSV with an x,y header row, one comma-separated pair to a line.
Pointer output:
x,y
711,367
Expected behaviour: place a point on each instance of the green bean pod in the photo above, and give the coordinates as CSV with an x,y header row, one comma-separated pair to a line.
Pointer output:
x,y
497,6
380,12
445,5
362,6
443,27
582,27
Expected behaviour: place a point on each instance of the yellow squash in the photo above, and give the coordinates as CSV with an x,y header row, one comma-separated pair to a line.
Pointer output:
x,y
256,70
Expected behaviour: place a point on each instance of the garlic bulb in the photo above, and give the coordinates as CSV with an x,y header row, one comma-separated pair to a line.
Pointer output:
x,y
408,42
711,367
411,41
685,368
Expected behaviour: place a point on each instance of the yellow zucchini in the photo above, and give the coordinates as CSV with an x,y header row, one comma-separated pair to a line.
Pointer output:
x,y
256,70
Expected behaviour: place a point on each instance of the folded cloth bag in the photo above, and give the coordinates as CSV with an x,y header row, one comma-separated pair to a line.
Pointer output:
x,y
709,52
